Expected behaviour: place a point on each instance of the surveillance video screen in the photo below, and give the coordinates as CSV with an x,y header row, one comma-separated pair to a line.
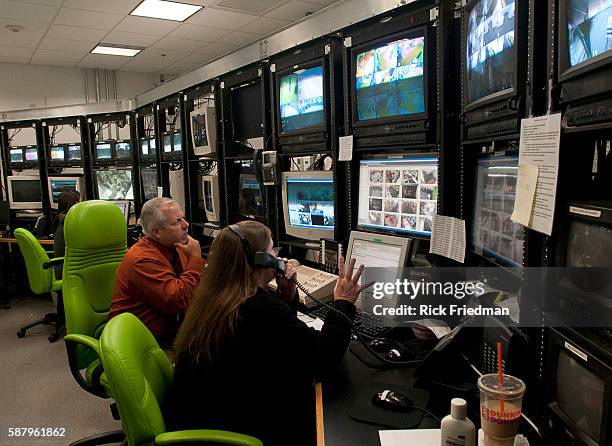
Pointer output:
x,y
149,182
57,153
389,80
198,128
311,203
177,142
26,191
31,154
123,150
74,152
114,184
589,26
16,155
58,185
167,142
490,48
301,99
144,147
103,151
152,147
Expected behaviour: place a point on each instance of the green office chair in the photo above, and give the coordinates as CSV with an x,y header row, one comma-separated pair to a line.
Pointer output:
x,y
96,241
139,373
41,278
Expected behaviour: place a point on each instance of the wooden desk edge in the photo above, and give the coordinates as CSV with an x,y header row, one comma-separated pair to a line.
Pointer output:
x,y
319,415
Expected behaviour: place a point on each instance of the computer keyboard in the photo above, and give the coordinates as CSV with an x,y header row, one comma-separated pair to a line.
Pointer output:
x,y
366,323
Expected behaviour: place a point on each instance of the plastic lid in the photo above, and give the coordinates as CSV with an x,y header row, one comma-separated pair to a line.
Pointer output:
x,y
458,408
512,386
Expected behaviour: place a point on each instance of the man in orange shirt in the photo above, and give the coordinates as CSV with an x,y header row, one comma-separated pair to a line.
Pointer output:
x,y
156,278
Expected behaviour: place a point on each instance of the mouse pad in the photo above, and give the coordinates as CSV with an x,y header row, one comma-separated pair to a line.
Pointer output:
x,y
362,408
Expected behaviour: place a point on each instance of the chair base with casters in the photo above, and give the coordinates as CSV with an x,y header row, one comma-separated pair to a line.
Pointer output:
x,y
55,319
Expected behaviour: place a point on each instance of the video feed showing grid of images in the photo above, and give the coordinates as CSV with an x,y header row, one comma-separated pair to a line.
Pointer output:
x,y
311,203
399,195
589,25
494,232
389,80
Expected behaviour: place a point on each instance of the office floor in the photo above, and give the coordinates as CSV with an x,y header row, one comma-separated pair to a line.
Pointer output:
x,y
36,387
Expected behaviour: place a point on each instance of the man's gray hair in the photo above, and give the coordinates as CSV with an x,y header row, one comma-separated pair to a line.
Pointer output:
x,y
151,215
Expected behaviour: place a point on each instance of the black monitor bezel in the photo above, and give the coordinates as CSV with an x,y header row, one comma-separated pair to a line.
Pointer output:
x,y
54,162
518,88
565,71
103,161
26,162
312,63
16,164
123,160
166,155
377,43
74,162
252,83
148,157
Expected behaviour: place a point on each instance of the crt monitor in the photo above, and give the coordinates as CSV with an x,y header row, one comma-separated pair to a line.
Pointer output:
x,y
308,204
177,142
384,258
301,100
58,153
59,184
398,194
31,153
149,182
144,147
167,143
114,184
250,199
389,79
494,234
585,32
490,49
124,206
203,130
123,150
104,151
24,192
152,147
246,111
210,193
176,180
15,155
74,152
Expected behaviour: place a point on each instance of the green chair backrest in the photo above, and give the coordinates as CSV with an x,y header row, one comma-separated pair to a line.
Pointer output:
x,y
41,280
95,233
139,374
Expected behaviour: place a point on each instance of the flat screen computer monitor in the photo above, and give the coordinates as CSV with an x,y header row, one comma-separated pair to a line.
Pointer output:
x,y
389,79
58,153
203,130
398,194
152,147
246,112
59,184
104,151
24,192
301,100
16,155
490,58
308,204
588,30
144,147
494,234
384,258
31,153
177,186
123,150
167,143
210,195
124,205
114,184
177,144
250,199
74,152
149,182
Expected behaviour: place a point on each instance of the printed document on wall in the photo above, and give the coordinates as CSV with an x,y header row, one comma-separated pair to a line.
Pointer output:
x,y
539,147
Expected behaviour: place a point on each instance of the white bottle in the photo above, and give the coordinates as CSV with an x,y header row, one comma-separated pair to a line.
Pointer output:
x,y
456,428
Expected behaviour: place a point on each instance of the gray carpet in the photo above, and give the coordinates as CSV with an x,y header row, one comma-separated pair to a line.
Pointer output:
x,y
36,387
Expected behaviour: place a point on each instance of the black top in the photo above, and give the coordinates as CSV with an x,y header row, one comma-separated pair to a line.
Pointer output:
x,y
262,382
59,246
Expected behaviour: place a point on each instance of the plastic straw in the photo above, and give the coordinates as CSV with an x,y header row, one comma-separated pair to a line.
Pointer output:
x,y
500,375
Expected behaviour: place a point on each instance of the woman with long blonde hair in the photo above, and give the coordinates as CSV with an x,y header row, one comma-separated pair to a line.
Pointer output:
x,y
246,363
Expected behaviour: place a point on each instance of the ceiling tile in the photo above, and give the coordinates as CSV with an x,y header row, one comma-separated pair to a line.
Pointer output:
x,y
265,25
198,58
240,38
66,45
220,19
201,2
10,54
180,67
88,19
172,43
103,61
325,2
123,7
29,37
294,10
27,11
144,66
55,57
122,37
76,33
196,32
164,56
146,25
216,49
43,2
249,6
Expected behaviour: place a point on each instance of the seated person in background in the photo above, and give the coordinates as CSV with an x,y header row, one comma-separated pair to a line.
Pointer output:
x,y
67,199
246,363
247,202
157,276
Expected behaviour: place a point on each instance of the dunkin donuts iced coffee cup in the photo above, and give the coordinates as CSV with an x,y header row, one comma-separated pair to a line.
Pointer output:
x,y
500,408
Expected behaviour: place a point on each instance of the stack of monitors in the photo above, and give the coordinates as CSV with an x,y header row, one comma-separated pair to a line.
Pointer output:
x,y
24,156
495,235
65,154
389,80
301,100
398,194
148,150
172,145
113,152
490,52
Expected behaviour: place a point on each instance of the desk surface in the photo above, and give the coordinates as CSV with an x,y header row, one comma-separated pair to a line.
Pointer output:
x,y
44,242
339,393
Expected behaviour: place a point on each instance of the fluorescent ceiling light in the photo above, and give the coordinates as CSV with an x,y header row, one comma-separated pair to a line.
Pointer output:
x,y
162,9
116,50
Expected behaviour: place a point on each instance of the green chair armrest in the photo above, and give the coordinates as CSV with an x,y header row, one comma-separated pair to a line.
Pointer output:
x,y
87,341
206,436
53,262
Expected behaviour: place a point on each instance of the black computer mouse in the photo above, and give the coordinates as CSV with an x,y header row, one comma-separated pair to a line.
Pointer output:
x,y
390,349
389,399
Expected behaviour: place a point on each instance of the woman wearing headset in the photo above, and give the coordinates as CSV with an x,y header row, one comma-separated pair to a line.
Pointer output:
x,y
245,362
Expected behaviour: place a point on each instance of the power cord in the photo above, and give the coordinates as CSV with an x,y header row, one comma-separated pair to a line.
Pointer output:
x,y
360,336
425,411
